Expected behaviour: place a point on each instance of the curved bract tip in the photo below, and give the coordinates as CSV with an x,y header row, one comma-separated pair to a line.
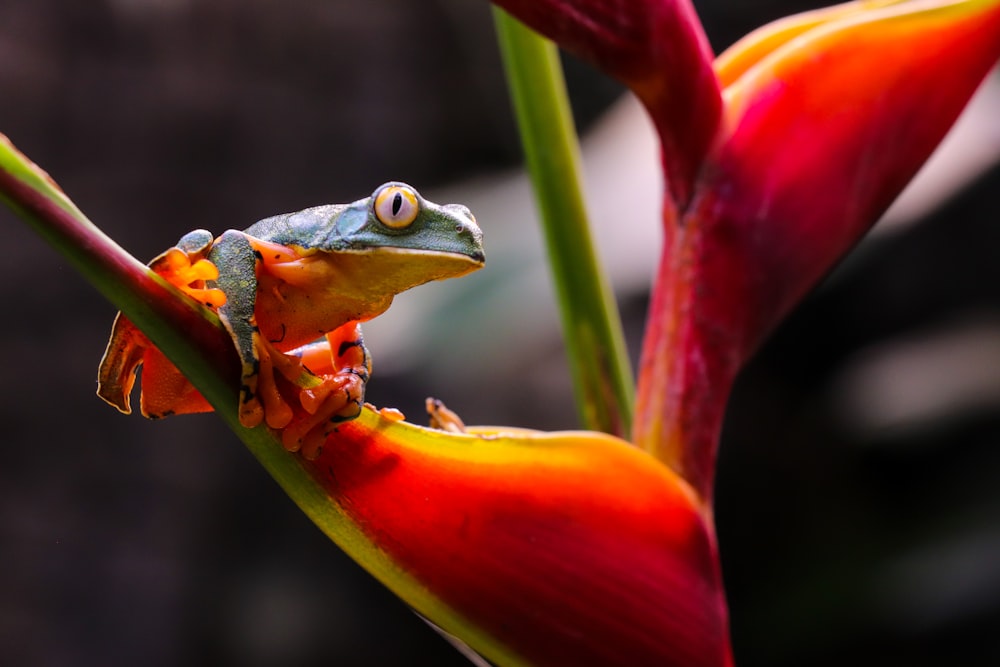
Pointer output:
x,y
750,49
658,49
824,131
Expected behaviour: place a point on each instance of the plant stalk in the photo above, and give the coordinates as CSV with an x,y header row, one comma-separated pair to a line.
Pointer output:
x,y
598,359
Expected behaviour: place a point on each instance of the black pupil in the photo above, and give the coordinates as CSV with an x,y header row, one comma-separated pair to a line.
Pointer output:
x,y
397,203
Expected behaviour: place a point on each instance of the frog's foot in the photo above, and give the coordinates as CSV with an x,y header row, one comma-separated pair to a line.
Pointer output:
x,y
190,273
263,398
443,419
391,414
337,399
304,406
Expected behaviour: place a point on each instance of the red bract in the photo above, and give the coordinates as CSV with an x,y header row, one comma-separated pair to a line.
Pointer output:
x,y
567,548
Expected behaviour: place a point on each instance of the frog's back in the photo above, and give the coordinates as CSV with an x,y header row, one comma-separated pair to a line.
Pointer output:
x,y
308,228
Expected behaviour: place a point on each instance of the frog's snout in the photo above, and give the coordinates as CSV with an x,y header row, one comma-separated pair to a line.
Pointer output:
x,y
467,226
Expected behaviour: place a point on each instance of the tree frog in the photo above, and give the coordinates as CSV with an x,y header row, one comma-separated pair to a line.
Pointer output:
x,y
281,284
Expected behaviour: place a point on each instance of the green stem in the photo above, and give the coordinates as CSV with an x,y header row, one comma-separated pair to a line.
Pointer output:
x,y
595,344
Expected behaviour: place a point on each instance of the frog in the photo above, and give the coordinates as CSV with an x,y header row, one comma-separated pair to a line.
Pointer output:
x,y
292,290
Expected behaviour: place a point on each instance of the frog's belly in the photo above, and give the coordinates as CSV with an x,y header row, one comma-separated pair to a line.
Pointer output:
x,y
290,315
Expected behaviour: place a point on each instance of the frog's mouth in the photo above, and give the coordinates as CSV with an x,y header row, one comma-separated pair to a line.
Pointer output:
x,y
475,259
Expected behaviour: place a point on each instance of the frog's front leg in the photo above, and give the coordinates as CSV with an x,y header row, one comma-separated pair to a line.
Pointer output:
x,y
343,364
278,388
235,252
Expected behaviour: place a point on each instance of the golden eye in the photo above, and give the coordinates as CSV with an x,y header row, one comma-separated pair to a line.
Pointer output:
x,y
396,206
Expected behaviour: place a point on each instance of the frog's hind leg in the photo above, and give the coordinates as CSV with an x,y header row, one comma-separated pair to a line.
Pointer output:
x,y
164,390
121,361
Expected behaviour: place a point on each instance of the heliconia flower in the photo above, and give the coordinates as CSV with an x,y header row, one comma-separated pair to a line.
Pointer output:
x,y
555,549
581,548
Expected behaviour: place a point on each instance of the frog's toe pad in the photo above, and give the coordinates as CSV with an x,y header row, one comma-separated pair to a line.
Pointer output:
x,y
177,268
441,418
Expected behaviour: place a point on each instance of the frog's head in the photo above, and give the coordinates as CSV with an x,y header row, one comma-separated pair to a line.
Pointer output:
x,y
405,239
397,217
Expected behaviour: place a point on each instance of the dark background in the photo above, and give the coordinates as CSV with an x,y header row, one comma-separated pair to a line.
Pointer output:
x,y
851,531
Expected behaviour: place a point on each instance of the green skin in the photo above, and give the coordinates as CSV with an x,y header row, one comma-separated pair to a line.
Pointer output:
x,y
292,278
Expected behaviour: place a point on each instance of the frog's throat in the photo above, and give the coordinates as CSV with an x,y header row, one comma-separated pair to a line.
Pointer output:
x,y
387,271
376,272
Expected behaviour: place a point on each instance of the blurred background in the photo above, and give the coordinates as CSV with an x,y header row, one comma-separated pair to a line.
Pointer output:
x,y
859,480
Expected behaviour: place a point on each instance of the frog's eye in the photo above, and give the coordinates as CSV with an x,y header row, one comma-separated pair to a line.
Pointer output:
x,y
396,206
